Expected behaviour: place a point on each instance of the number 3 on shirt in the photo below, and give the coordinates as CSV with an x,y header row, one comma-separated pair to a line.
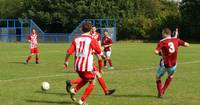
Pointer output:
x,y
171,47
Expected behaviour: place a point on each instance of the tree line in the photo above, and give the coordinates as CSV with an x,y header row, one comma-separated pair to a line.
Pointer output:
x,y
136,19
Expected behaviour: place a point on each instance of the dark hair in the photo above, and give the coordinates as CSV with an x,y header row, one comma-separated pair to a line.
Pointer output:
x,y
86,27
166,31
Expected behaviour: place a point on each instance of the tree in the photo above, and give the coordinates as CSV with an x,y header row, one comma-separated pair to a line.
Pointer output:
x,y
190,13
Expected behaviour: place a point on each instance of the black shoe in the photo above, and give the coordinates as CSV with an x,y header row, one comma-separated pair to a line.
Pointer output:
x,y
160,95
37,62
110,92
68,86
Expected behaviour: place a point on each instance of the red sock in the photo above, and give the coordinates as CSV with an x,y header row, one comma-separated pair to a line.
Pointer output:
x,y
159,86
87,91
110,62
75,81
36,58
167,82
100,62
28,58
80,85
103,85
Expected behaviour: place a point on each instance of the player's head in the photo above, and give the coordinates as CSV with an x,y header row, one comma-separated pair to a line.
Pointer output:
x,y
86,27
33,30
94,29
105,32
166,32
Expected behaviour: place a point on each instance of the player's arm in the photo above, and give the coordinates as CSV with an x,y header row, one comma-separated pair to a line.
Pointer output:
x,y
96,48
68,54
182,43
186,44
176,33
99,43
157,50
29,38
110,43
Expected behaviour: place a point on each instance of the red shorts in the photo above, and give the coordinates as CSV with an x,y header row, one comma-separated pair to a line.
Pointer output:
x,y
87,75
34,50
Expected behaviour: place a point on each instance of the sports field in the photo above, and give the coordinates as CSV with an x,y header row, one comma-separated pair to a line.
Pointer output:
x,y
133,76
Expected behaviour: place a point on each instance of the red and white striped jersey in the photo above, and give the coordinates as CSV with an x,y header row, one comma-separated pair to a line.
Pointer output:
x,y
33,40
96,36
83,47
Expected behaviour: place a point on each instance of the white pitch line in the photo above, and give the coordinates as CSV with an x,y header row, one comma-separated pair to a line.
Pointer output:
x,y
58,75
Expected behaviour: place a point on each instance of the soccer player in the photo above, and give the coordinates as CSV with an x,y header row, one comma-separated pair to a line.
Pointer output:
x,y
83,47
96,36
32,39
168,49
107,43
100,79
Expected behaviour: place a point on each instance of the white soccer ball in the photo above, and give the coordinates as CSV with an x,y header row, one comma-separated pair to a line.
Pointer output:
x,y
45,86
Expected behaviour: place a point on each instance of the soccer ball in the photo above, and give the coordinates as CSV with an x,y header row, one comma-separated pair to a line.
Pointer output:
x,y
45,86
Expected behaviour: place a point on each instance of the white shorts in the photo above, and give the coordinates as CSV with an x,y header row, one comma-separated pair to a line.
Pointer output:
x,y
107,53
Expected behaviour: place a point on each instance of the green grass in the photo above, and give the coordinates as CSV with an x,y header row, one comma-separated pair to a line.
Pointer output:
x,y
133,76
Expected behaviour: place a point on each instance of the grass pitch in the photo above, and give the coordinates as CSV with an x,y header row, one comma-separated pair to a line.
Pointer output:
x,y
133,76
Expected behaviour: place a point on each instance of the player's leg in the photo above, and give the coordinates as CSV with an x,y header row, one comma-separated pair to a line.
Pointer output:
x,y
69,83
100,62
170,72
103,85
160,72
89,77
30,55
108,54
105,61
74,90
87,92
36,51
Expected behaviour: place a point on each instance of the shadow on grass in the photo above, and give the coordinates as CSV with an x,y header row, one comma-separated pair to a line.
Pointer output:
x,y
53,93
135,95
50,102
17,62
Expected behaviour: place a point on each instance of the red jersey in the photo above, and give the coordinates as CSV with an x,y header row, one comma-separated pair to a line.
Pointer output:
x,y
106,41
83,47
33,40
169,48
96,36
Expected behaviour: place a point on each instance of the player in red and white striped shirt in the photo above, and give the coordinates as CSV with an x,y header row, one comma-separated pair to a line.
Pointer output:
x,y
82,47
32,39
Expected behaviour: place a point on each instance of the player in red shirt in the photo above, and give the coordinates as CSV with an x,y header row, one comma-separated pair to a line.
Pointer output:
x,y
168,49
107,43
83,47
32,39
96,36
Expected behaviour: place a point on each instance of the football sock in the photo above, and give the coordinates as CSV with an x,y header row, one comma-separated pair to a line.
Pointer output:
x,y
75,81
28,58
36,58
110,62
100,62
103,85
80,85
87,91
105,62
159,86
167,83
